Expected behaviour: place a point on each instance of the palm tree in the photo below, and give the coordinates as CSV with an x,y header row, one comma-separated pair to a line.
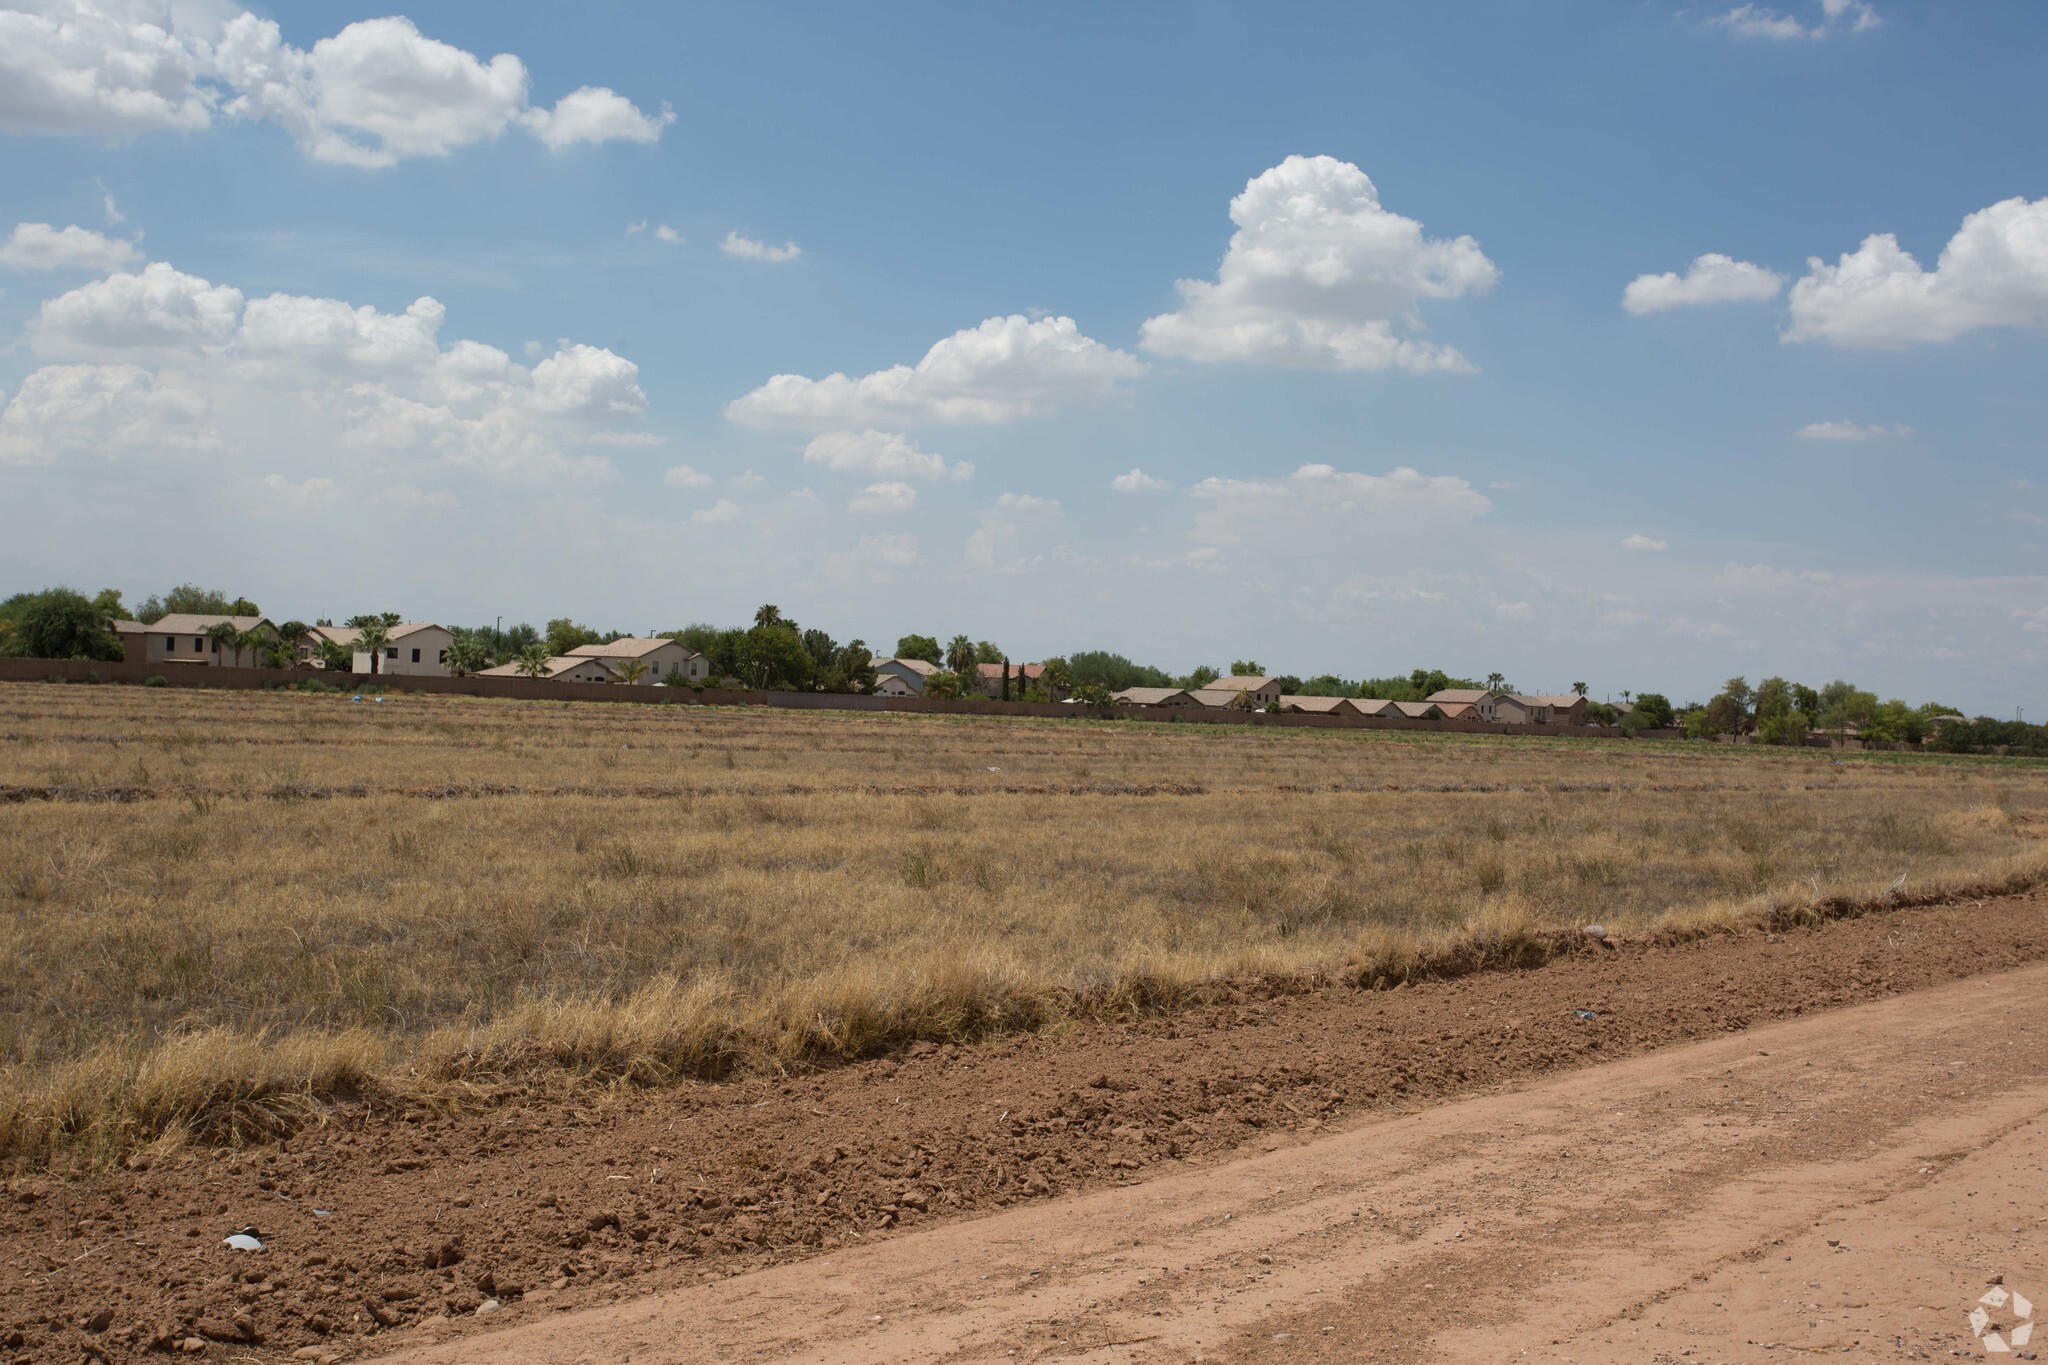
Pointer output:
x,y
769,615
223,633
1625,695
1578,689
960,655
533,660
257,640
373,636
1494,681
466,656
631,670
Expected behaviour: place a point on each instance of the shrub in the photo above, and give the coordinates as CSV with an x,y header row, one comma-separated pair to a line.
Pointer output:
x,y
156,680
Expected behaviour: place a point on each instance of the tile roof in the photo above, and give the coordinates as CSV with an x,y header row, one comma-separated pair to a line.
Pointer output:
x,y
187,624
630,647
558,665
1239,683
1147,696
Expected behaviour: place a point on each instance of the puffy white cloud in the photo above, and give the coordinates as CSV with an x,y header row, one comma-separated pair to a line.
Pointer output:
x,y
888,454
157,310
897,549
1992,273
1025,502
377,91
1758,21
1138,481
112,68
739,244
1712,278
884,499
374,382
682,476
101,411
640,226
669,235
1850,431
1318,274
1644,544
1005,369
721,513
39,246
595,114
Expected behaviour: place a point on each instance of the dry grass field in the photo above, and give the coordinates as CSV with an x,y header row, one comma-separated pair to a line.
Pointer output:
x,y
219,911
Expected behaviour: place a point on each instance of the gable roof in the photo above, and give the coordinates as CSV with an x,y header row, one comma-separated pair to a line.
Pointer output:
x,y
1375,706
558,665
121,626
1147,696
630,647
1558,699
1218,696
1016,670
1467,695
1420,710
1320,706
187,624
917,666
352,635
1238,682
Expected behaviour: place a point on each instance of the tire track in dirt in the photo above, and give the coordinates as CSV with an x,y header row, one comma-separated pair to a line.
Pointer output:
x,y
1609,1215
543,1202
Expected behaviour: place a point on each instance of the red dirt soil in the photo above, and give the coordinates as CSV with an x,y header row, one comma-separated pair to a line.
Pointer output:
x,y
430,1216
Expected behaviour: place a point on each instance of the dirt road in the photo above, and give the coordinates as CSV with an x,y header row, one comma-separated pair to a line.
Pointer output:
x,y
1849,1183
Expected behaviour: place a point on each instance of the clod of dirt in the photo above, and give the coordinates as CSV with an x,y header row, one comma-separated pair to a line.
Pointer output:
x,y
1596,931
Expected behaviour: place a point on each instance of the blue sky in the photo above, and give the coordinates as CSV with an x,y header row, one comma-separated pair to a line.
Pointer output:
x,y
1401,418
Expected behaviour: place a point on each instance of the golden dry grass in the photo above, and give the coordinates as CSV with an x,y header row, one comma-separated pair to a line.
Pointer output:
x,y
288,905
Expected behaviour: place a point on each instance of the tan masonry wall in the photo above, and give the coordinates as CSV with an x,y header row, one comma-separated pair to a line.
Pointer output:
x,y
533,689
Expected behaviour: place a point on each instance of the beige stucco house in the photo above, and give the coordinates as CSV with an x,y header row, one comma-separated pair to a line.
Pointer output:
x,y
562,668
664,658
910,673
416,648
1262,691
1169,697
182,639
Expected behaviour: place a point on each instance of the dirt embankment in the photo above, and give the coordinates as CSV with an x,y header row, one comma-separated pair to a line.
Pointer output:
x,y
376,1224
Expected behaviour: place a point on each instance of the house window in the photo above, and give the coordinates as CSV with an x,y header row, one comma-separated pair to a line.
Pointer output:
x,y
391,653
304,652
443,657
216,646
415,656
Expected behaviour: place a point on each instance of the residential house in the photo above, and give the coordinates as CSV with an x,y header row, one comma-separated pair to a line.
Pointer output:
x,y
664,658
416,648
1558,708
1317,706
1170,697
1228,698
1456,711
563,668
1373,706
1262,691
182,639
910,673
1485,700
1421,710
989,679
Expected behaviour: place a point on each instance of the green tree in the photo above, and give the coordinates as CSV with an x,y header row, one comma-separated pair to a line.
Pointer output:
x,y
771,615
223,635
960,655
1113,672
925,647
56,623
631,670
851,669
373,637
1656,711
533,660
986,653
1246,668
382,618
1195,681
1058,679
468,654
107,602
257,639
335,658
1495,681
1578,689
564,635
773,656
944,684
1327,685
189,599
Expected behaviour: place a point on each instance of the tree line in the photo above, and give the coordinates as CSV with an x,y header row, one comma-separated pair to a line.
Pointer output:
x,y
775,652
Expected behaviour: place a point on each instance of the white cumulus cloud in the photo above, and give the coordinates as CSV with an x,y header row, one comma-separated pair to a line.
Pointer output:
x,y
1644,544
1318,274
1138,481
1992,273
737,243
375,92
1760,21
39,246
1850,431
64,412
669,235
1712,278
884,498
311,370
311,492
888,454
720,513
682,476
1006,369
